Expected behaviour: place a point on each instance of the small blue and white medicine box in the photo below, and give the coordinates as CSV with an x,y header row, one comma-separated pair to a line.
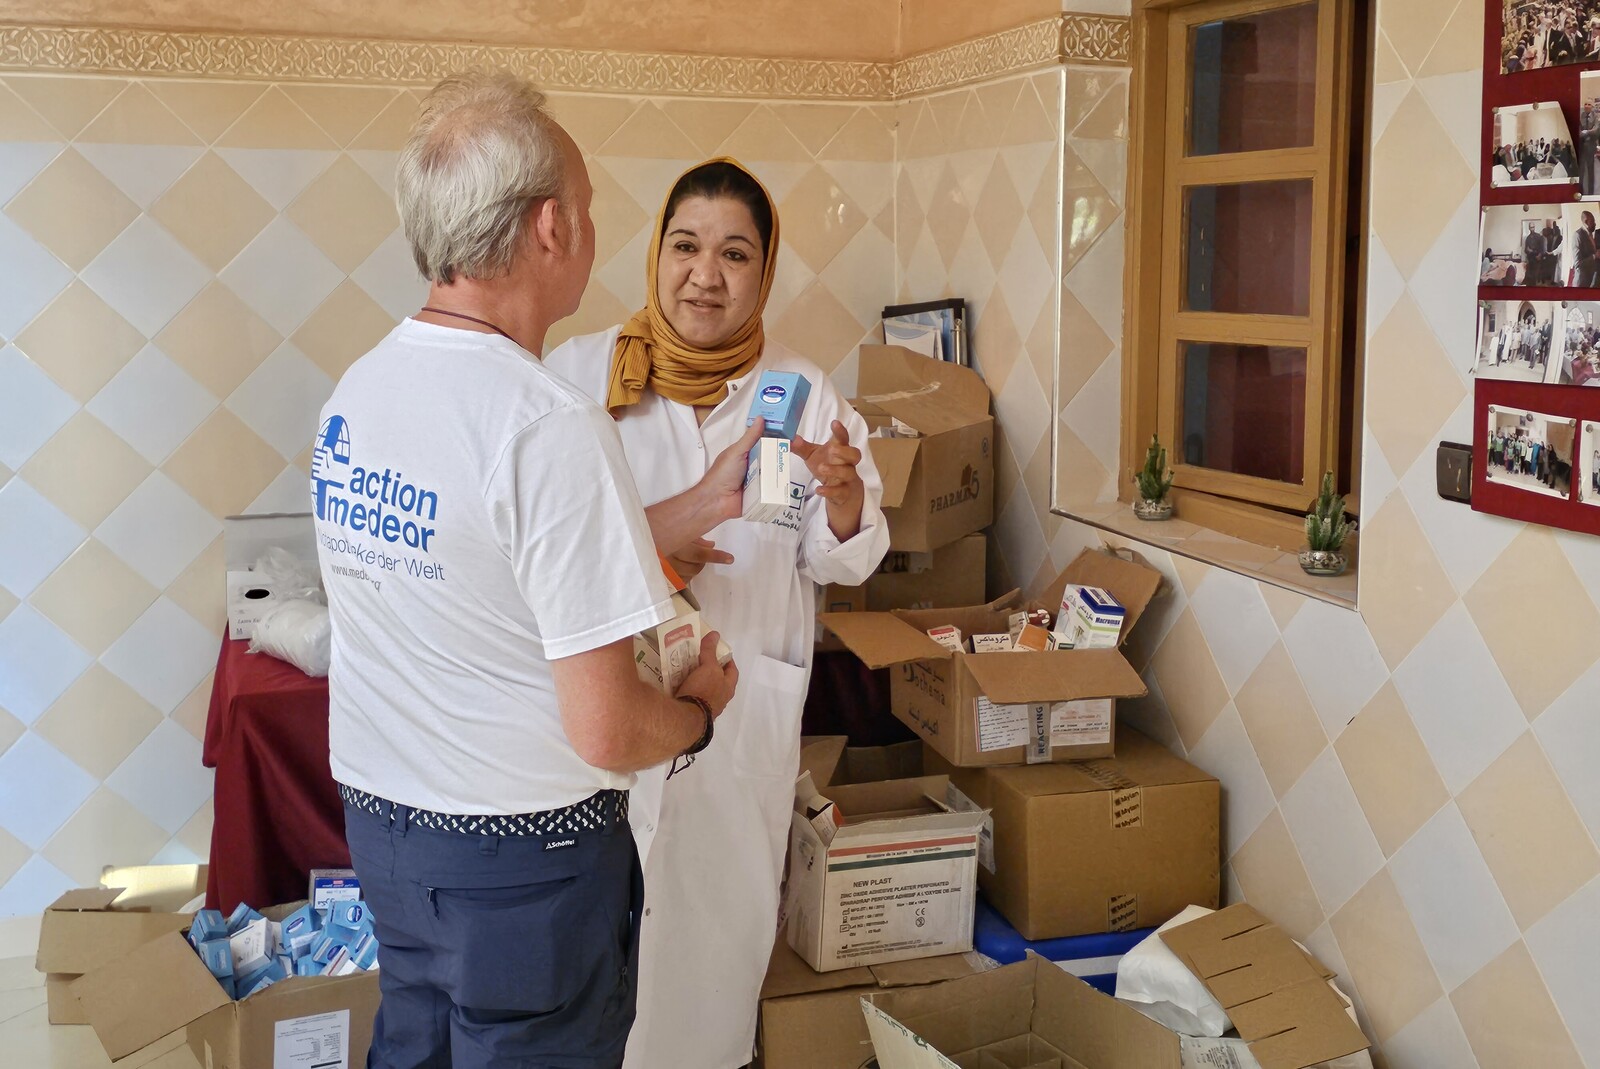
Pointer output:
x,y
780,398
1090,619
766,481
208,924
260,952
332,885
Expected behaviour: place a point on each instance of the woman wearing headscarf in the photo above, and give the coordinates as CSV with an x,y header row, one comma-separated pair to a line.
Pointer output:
x,y
679,377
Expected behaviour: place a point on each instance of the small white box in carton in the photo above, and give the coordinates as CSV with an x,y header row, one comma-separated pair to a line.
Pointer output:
x,y
766,481
1090,619
666,654
948,637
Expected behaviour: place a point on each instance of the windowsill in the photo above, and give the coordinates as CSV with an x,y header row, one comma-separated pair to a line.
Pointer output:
x,y
1263,563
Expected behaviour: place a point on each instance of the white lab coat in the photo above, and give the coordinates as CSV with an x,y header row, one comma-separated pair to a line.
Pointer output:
x,y
713,836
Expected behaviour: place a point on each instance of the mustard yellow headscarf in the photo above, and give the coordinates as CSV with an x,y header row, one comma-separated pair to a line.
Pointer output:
x,y
650,353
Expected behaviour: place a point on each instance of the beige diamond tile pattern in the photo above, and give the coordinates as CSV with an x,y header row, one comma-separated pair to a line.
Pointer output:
x,y
814,125
1529,832
11,729
1030,121
72,209
93,596
996,346
1088,209
818,327
1385,956
85,470
207,107
649,134
200,589
1389,769
1280,720
212,211
342,111
1274,878
136,117
346,325
1411,387
191,713
80,341
224,465
345,214
1543,648
1405,590
1189,679
108,830
1509,1017
997,213
19,122
589,118
948,214
13,855
218,340
864,137
1410,216
1086,88
1109,119
1414,26
763,136
819,219
68,103
98,721
1084,479
196,835
617,217
707,123
1084,346
1459,48
1283,604
389,130
275,121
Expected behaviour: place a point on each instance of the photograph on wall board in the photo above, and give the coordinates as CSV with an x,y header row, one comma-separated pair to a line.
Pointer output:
x,y
1589,465
1576,357
1533,147
1530,451
1516,340
1588,134
1523,245
1535,34
1580,261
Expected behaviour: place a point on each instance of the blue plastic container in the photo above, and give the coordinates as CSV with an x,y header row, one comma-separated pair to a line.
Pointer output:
x,y
1091,958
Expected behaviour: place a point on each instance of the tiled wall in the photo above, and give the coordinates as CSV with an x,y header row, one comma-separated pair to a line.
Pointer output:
x,y
190,266
1411,790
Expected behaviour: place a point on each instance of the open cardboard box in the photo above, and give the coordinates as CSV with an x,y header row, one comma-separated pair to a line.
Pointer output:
x,y
939,486
812,1020
140,1002
880,872
1110,845
86,928
1008,708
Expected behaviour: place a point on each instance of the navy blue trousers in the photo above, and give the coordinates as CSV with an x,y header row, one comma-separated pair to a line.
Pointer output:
x,y
499,953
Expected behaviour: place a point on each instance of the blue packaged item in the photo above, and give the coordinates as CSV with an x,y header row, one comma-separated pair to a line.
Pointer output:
x,y
241,916
1091,958
349,914
325,947
779,400
365,951
298,929
218,957
262,979
207,924
307,966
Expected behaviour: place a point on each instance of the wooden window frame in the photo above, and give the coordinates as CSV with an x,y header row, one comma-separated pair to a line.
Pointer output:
x,y
1259,510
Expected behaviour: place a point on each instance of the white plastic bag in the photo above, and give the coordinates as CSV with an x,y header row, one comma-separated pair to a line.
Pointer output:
x,y
297,631
289,577
1162,987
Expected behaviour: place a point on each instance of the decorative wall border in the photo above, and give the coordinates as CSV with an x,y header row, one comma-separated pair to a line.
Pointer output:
x,y
277,57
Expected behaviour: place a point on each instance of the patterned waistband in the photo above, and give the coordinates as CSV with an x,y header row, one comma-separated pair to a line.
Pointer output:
x,y
597,812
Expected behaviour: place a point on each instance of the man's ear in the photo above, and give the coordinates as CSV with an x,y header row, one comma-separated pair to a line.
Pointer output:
x,y
545,226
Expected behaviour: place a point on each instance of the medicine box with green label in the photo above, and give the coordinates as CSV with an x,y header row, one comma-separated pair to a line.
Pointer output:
x,y
889,874
1012,707
1090,619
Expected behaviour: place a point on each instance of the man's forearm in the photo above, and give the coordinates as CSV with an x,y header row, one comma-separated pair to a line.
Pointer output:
x,y
677,521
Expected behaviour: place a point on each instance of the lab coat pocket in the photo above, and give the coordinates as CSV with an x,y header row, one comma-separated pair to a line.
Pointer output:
x,y
773,694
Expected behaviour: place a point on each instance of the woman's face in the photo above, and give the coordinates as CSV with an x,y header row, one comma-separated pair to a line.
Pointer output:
x,y
709,276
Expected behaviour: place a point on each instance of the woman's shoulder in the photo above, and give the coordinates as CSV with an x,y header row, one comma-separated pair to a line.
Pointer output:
x,y
585,361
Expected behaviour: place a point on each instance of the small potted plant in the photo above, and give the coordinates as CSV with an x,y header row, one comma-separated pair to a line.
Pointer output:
x,y
1326,530
1154,480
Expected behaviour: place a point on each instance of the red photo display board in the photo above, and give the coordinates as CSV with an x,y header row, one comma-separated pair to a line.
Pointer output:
x,y
1517,482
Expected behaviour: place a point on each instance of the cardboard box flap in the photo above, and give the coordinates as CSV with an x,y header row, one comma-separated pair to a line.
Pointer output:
x,y
1139,762
158,988
86,899
820,756
860,801
881,639
920,971
968,1012
931,395
1276,994
1096,1031
1061,675
1132,582
788,974
894,458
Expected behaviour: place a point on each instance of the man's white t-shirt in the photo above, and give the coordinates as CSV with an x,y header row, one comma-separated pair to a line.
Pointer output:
x,y
476,519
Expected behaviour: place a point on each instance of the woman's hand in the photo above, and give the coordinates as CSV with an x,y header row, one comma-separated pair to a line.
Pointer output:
x,y
691,559
833,464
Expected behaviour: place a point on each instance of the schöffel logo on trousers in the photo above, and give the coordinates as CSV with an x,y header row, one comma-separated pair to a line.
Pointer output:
x,y
970,487
773,394
559,843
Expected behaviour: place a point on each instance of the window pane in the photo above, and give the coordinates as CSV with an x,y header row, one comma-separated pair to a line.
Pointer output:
x,y
1253,82
1244,409
1249,248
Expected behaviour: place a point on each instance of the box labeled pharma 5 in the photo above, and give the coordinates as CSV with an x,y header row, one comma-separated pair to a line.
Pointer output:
x,y
980,709
780,398
766,481
332,885
893,876
1090,619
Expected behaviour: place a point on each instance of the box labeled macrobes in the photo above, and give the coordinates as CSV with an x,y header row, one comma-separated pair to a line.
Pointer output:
x,y
1109,845
766,481
938,485
890,876
1090,619
978,709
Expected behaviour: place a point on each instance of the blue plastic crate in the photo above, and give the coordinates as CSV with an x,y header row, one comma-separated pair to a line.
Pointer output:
x,y
1091,958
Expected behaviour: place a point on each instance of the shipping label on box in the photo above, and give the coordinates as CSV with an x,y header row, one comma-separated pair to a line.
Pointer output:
x,y
1075,723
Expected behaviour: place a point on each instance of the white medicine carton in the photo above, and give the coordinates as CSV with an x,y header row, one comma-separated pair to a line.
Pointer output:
x,y
1090,619
766,482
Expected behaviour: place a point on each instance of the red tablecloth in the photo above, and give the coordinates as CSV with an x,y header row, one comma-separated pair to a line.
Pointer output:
x,y
278,813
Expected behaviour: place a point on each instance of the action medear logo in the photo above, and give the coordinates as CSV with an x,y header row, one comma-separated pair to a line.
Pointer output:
x,y
971,486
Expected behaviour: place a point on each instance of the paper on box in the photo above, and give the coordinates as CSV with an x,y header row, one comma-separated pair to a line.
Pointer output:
x,y
766,481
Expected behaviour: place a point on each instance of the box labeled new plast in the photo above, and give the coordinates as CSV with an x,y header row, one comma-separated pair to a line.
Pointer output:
x,y
244,540
1084,847
84,929
980,709
890,876
779,401
939,485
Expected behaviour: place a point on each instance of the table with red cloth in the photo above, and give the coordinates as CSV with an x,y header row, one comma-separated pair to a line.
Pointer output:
x,y
278,813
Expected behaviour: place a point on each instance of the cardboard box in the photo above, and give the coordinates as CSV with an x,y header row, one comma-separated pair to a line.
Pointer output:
x,y
812,1020
244,540
161,995
886,873
874,764
84,929
1098,846
980,709
947,578
939,485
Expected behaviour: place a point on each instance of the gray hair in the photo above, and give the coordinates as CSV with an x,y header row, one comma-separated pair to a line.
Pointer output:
x,y
482,152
